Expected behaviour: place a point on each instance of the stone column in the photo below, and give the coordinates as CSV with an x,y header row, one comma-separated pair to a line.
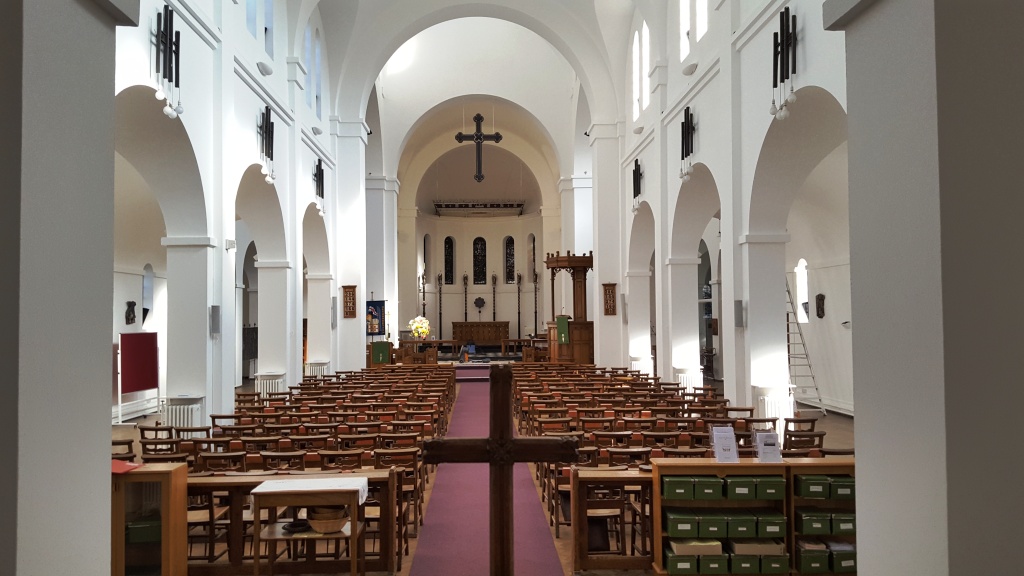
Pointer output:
x,y
348,233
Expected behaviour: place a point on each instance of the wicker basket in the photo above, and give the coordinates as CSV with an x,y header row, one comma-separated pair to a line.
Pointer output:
x,y
326,520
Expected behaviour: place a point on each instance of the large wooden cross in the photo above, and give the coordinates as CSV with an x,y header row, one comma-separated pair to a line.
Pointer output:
x,y
479,138
501,450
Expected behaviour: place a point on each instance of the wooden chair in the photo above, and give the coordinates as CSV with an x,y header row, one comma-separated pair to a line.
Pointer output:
x,y
283,461
156,432
345,460
629,457
606,517
412,479
687,452
123,449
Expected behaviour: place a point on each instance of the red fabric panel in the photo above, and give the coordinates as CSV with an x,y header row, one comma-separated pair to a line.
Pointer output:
x,y
139,362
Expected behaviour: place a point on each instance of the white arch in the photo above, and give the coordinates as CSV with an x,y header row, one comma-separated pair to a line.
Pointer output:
x,y
162,153
792,148
568,30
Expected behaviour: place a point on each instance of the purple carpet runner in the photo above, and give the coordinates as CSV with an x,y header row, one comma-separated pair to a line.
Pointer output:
x,y
453,540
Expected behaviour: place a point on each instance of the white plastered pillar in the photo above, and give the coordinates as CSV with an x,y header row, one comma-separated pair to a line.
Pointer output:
x,y
318,318
682,338
609,347
275,332
764,302
638,299
189,340
349,236
382,251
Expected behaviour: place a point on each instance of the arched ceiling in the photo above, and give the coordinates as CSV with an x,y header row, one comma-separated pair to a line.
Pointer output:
x,y
441,169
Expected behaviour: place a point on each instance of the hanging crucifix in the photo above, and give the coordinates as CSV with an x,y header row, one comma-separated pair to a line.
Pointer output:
x,y
479,138
501,450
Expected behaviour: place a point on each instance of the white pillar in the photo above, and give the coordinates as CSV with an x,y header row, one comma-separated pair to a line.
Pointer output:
x,y
382,252
609,345
638,298
935,260
276,335
682,338
189,345
318,317
764,303
57,227
349,235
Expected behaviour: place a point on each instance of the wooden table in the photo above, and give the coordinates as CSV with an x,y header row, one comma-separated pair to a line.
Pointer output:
x,y
580,482
345,490
238,488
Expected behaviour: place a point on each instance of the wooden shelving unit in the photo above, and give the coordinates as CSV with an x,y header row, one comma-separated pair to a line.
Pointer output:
x,y
789,505
148,521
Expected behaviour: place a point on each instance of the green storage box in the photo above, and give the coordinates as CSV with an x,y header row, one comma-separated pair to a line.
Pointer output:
x,y
844,523
844,561
707,488
812,486
771,488
681,524
842,488
742,525
712,525
677,487
740,488
771,525
679,564
813,522
812,561
713,564
143,531
744,564
775,564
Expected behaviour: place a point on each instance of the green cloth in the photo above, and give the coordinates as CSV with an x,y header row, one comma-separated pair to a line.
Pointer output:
x,y
380,352
562,323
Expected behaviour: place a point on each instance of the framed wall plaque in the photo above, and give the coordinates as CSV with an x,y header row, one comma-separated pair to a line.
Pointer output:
x,y
609,299
348,301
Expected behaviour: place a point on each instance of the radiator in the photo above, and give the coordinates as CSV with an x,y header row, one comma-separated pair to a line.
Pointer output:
x,y
776,406
690,381
270,383
181,414
644,365
316,369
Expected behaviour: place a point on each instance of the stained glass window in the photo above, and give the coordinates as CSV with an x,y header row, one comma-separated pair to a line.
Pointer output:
x,y
510,260
479,261
449,260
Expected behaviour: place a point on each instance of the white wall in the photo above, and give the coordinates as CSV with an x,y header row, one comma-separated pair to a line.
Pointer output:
x,y
494,231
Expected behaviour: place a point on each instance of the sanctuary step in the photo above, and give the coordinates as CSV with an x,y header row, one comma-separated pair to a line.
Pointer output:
x,y
470,373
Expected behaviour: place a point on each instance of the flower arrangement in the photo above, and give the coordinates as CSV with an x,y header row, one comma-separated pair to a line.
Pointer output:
x,y
420,327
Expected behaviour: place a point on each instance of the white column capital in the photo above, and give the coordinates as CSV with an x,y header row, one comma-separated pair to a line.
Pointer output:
x,y
676,261
603,131
318,277
358,129
188,242
764,238
297,72
383,184
283,264
638,274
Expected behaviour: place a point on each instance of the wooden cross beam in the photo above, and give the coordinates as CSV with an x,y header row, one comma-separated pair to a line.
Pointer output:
x,y
501,450
479,138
